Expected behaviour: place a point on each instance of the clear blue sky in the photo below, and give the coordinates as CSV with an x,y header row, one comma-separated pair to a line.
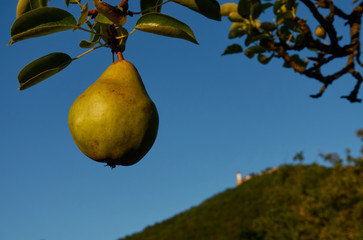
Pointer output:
x,y
218,115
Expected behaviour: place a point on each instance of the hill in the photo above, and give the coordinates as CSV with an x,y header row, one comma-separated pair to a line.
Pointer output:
x,y
294,202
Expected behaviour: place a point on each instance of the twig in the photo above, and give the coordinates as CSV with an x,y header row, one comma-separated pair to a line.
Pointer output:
x,y
87,52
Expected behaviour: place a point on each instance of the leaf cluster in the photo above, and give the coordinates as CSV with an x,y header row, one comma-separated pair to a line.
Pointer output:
x,y
289,37
105,24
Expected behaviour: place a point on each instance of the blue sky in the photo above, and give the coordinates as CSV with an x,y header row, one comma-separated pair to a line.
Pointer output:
x,y
218,115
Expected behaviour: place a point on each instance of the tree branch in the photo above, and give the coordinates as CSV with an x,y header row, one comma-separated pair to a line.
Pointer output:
x,y
352,97
327,25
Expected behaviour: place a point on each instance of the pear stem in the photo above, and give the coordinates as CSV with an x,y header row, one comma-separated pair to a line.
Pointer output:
x,y
120,57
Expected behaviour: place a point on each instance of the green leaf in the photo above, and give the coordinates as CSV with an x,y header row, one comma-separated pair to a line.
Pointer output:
x,y
256,10
42,68
251,51
295,58
115,14
148,6
266,5
234,48
91,28
300,39
299,61
27,5
41,22
102,29
244,8
71,2
253,37
277,6
87,44
238,29
285,17
268,26
165,25
208,8
103,19
122,32
84,14
290,4
263,59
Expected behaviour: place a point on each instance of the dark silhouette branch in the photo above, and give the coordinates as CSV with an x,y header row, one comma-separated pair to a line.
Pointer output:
x,y
334,50
292,35
327,24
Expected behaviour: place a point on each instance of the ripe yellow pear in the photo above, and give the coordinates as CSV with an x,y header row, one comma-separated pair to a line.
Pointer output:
x,y
114,121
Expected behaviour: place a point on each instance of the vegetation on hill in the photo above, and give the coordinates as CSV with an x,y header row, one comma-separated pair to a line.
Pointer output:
x,y
293,202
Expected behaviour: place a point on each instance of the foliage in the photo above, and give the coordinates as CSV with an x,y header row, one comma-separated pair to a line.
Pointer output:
x,y
274,30
336,160
292,202
270,29
106,25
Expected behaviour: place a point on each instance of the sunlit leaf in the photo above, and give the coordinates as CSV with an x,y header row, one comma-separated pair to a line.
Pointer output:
x,y
42,68
237,29
208,8
165,25
122,32
90,27
148,6
102,19
115,14
102,29
27,5
234,48
71,2
41,22
84,14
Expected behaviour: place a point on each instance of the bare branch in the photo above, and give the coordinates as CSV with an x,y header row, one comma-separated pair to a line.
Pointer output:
x,y
352,97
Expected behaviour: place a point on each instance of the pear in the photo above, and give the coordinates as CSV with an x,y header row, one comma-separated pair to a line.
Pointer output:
x,y
320,32
228,8
114,121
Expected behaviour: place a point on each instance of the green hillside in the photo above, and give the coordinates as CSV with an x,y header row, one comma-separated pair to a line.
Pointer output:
x,y
294,202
